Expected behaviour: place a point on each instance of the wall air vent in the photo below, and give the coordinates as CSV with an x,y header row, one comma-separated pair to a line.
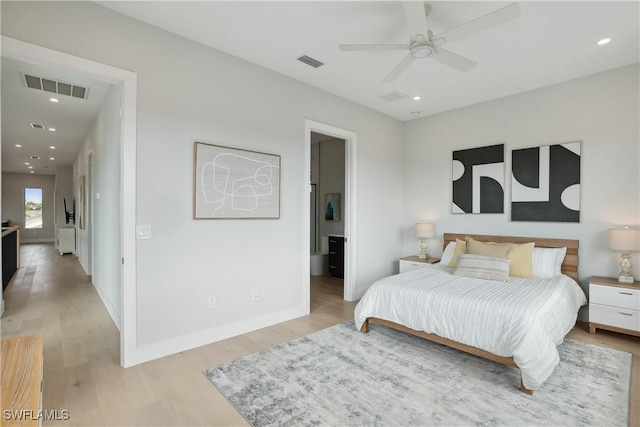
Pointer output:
x,y
55,86
393,96
37,126
310,61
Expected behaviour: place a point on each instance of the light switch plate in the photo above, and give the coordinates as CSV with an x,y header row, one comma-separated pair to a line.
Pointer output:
x,y
143,231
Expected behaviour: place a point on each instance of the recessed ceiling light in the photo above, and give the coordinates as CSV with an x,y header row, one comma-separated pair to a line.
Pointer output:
x,y
30,167
603,41
27,163
53,99
52,147
52,129
52,158
416,98
32,171
18,146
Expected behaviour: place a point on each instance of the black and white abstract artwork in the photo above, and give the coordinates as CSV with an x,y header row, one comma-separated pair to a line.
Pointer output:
x,y
478,180
545,183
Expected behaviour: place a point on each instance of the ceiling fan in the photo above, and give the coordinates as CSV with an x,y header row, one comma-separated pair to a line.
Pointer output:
x,y
424,44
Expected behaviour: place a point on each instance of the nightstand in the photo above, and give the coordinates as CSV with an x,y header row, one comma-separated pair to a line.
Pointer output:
x,y
413,262
614,306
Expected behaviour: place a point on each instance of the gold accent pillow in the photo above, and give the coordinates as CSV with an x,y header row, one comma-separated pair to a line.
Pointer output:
x,y
460,249
521,257
490,249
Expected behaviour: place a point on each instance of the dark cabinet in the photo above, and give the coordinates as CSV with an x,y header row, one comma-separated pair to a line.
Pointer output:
x,y
336,256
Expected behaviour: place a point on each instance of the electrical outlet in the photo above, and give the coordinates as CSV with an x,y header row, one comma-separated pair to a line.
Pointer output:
x,y
212,301
256,295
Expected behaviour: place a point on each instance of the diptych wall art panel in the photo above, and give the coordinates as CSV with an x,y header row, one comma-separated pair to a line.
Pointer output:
x,y
478,180
230,183
545,183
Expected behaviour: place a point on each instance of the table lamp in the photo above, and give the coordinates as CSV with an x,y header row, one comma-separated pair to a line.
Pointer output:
x,y
625,240
424,230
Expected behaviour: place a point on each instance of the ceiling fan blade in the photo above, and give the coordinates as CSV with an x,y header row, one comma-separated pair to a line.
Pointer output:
x,y
449,58
399,69
485,22
414,11
356,47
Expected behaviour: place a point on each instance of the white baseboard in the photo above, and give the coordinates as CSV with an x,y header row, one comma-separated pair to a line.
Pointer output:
x,y
84,267
168,347
111,309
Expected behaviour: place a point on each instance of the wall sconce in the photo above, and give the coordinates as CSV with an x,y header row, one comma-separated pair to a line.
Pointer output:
x,y
424,230
625,240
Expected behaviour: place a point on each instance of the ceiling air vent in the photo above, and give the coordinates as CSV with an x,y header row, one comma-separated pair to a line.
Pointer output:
x,y
310,61
393,96
37,126
55,86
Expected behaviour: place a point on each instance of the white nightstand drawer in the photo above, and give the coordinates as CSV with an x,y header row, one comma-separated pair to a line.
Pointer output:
x,y
613,316
411,265
614,296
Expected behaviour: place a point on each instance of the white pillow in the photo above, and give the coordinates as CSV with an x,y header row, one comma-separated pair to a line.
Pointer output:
x,y
447,254
547,262
482,267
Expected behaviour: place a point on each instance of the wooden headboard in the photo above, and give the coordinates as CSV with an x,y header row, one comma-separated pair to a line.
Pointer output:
x,y
569,265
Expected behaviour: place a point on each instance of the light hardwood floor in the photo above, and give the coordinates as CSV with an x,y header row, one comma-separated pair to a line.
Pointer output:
x,y
51,294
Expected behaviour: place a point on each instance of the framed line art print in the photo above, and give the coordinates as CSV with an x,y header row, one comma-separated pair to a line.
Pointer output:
x,y
232,183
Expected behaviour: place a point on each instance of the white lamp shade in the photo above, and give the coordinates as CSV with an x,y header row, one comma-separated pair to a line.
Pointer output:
x,y
424,230
624,239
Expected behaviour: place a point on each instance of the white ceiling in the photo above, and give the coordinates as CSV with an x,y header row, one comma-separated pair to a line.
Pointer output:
x,y
71,118
551,42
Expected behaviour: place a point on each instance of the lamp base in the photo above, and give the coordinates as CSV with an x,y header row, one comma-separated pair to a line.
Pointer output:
x,y
625,268
625,279
423,249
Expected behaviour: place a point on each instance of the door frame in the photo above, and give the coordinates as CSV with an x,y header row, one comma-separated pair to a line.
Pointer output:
x,y
349,204
127,81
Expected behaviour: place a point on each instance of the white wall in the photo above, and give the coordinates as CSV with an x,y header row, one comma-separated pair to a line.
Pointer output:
x,y
600,110
332,176
13,185
103,194
241,105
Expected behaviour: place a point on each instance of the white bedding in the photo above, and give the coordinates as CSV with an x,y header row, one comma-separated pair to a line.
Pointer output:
x,y
521,318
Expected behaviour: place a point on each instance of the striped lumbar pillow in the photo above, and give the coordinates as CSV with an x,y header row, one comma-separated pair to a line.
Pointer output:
x,y
482,267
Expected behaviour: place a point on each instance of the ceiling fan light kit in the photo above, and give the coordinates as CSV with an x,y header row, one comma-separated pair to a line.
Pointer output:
x,y
421,50
424,45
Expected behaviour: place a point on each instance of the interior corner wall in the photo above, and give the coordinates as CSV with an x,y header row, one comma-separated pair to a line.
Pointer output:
x,y
103,197
600,110
13,185
245,106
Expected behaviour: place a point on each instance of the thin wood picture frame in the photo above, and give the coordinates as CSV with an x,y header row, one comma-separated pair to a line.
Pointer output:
x,y
233,183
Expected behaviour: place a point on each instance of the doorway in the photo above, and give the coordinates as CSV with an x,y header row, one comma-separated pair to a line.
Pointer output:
x,y
127,82
326,198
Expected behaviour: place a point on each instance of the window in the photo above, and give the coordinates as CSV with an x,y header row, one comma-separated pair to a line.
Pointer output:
x,y
33,208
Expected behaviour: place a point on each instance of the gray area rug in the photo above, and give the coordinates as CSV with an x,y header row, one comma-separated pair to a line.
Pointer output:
x,y
339,376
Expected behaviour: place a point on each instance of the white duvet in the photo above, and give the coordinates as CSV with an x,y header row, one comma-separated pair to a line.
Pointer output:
x,y
522,318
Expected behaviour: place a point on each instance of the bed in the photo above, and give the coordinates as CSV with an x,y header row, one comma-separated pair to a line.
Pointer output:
x,y
517,322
